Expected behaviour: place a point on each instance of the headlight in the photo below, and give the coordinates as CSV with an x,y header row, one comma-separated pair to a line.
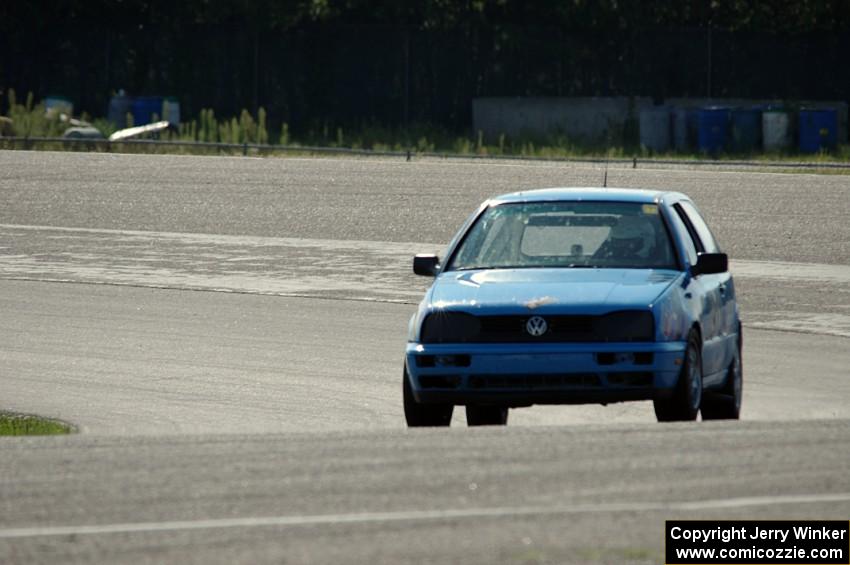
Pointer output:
x,y
627,325
449,327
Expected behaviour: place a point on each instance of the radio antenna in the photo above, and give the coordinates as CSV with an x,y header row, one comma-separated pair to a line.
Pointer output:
x,y
605,174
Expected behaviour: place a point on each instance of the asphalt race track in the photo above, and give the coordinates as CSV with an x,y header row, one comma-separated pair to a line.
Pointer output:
x,y
227,334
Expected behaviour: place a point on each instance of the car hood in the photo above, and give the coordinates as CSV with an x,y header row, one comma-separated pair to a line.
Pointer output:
x,y
573,290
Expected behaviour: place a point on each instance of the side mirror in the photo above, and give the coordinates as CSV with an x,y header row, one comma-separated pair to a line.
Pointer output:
x,y
710,264
426,265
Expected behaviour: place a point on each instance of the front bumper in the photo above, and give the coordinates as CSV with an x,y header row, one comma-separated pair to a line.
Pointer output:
x,y
550,373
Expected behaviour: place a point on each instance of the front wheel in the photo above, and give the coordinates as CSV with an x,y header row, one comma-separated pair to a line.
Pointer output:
x,y
486,415
423,415
685,403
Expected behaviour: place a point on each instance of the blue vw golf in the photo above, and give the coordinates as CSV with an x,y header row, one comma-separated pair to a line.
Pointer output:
x,y
573,296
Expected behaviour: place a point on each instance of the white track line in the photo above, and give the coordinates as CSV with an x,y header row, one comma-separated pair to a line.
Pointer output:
x,y
419,515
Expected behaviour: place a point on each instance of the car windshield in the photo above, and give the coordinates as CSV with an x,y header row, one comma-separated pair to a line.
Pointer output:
x,y
567,234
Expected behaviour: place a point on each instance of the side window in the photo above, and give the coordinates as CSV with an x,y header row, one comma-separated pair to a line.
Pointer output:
x,y
685,235
708,242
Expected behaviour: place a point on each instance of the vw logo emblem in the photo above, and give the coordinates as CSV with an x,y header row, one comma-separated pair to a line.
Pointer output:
x,y
536,326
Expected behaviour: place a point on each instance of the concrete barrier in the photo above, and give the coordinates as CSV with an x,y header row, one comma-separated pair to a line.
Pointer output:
x,y
586,120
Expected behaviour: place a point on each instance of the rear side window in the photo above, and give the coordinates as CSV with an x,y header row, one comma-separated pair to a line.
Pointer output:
x,y
686,236
709,244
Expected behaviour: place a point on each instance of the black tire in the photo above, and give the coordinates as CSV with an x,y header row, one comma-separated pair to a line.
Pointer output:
x,y
486,415
685,403
424,415
725,404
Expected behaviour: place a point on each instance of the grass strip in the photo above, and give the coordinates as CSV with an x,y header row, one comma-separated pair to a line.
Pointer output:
x,y
27,425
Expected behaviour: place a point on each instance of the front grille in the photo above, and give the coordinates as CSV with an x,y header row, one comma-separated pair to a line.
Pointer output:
x,y
532,382
499,329
462,327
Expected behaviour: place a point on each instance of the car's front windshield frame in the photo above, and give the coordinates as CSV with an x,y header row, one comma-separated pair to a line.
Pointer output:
x,y
664,234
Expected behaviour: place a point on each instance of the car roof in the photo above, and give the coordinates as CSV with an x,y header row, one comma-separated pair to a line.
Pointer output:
x,y
588,193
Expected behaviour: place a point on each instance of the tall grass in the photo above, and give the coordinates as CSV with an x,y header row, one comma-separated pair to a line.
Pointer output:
x,y
31,120
207,128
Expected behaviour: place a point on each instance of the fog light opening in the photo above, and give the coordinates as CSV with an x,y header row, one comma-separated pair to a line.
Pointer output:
x,y
624,358
451,360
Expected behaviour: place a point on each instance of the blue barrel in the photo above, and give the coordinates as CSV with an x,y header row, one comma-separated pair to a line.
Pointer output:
x,y
119,107
818,129
679,117
712,129
144,108
685,122
692,123
746,129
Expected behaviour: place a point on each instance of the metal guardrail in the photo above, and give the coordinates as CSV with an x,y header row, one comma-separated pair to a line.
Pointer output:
x,y
28,143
